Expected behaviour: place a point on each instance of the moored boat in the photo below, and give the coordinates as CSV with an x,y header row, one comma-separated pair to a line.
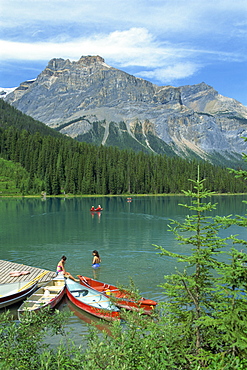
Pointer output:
x,y
49,294
15,292
122,298
91,301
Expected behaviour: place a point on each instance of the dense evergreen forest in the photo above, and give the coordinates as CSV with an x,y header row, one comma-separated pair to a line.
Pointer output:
x,y
57,164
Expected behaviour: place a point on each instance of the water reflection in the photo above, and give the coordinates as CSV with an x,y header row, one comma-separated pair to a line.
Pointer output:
x,y
98,214
89,319
38,232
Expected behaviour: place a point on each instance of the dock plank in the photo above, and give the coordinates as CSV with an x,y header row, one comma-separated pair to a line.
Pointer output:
x,y
6,267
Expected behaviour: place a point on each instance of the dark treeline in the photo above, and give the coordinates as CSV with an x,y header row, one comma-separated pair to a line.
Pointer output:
x,y
57,164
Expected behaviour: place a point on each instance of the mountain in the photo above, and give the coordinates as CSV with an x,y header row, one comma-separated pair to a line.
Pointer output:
x,y
94,102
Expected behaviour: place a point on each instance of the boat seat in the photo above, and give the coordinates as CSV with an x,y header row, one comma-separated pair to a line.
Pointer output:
x,y
55,288
100,288
54,291
37,302
48,297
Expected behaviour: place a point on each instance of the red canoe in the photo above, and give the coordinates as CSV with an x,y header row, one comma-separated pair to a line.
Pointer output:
x,y
98,209
122,298
91,301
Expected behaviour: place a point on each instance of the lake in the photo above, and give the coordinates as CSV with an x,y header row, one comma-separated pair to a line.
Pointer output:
x,y
37,232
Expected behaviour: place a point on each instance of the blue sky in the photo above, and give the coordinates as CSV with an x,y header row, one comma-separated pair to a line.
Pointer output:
x,y
168,42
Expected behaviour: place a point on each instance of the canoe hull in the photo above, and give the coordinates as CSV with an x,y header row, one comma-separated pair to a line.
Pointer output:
x,y
49,294
121,297
96,210
102,325
15,294
93,302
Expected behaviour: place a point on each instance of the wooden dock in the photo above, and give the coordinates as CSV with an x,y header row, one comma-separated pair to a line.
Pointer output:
x,y
34,273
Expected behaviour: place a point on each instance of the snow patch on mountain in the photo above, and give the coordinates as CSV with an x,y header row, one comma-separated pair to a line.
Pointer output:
x,y
4,91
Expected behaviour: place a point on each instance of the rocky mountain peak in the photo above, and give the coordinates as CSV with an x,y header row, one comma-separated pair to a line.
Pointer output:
x,y
61,65
74,97
91,60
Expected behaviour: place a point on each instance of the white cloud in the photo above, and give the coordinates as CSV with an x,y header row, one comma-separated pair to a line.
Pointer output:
x,y
135,46
170,73
163,40
162,16
162,61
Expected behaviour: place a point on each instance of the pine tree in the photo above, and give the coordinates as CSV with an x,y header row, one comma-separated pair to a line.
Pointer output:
x,y
206,298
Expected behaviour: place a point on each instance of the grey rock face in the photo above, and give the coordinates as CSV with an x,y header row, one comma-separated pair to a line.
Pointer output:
x,y
71,96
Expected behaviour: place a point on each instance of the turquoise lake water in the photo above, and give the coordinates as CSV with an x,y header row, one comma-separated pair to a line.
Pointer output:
x,y
38,232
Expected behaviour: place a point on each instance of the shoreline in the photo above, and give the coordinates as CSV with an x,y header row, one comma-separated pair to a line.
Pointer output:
x,y
106,195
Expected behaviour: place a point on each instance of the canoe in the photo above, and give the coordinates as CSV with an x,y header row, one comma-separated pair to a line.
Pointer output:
x,y
15,292
98,209
49,294
122,298
91,301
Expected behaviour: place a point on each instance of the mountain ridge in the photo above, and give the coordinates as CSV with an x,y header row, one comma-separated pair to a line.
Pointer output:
x,y
83,98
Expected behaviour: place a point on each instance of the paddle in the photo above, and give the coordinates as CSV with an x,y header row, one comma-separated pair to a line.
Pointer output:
x,y
30,283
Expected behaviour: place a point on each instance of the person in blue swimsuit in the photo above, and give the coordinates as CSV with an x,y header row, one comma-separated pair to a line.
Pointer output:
x,y
96,259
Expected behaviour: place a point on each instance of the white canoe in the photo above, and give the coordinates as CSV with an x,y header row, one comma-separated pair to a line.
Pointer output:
x,y
15,292
49,294
91,301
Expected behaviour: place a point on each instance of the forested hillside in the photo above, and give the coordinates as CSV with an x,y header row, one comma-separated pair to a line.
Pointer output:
x,y
56,164
10,116
13,178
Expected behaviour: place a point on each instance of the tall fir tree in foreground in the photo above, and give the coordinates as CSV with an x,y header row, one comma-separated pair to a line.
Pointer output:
x,y
206,301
